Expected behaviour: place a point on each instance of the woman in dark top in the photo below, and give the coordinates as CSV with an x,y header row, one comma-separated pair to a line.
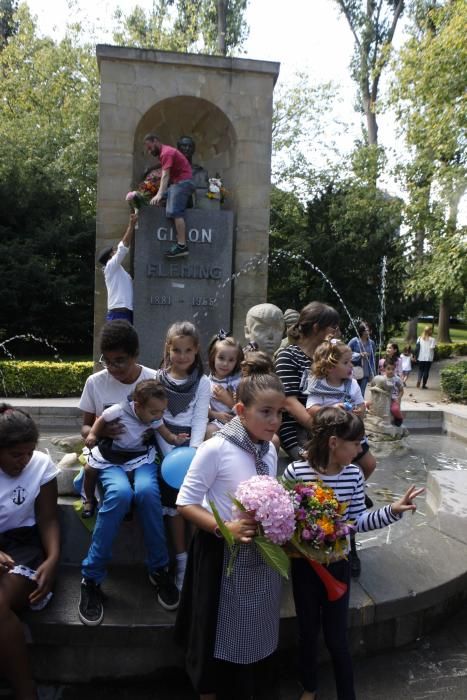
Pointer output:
x,y
315,323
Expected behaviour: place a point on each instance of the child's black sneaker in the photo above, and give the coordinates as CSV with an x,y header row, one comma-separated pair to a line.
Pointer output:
x,y
168,594
91,608
177,251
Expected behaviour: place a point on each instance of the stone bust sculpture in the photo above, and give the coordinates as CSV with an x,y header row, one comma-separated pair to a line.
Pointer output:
x,y
187,146
264,325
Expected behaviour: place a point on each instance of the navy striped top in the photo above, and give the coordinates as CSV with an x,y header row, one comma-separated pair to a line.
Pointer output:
x,y
348,487
291,366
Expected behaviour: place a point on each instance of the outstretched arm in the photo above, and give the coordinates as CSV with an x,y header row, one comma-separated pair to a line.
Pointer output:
x,y
406,502
128,235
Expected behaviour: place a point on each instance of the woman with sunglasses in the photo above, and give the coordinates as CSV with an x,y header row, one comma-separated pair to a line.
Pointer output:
x,y
119,347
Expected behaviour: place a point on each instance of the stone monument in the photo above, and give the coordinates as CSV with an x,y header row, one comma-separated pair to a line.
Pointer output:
x,y
225,105
189,288
264,325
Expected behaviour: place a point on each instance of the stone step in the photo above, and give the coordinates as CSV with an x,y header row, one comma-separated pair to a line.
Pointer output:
x,y
134,640
76,538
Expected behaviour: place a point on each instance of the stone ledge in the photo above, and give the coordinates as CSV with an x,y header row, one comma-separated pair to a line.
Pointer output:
x,y
121,53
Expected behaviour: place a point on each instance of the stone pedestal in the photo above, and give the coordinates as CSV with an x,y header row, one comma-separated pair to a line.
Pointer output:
x,y
225,105
197,288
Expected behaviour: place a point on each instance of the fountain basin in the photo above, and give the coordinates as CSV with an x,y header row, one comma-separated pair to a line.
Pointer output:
x,y
413,573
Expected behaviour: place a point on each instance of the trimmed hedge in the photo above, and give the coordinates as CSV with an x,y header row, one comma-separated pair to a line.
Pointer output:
x,y
43,379
454,382
445,350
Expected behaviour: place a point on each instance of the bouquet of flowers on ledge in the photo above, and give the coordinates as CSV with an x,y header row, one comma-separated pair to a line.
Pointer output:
x,y
146,189
216,189
321,530
274,512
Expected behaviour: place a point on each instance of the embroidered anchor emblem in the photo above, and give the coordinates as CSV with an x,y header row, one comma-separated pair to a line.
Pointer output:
x,y
19,495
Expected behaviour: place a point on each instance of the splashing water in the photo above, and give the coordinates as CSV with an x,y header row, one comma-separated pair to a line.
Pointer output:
x,y
253,263
28,337
382,302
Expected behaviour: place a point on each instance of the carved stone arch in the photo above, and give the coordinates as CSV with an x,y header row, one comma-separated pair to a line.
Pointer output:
x,y
205,122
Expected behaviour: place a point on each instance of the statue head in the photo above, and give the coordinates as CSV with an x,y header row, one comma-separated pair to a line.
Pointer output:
x,y
264,325
187,146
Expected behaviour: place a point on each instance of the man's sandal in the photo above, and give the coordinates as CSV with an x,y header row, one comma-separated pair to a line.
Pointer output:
x,y
89,508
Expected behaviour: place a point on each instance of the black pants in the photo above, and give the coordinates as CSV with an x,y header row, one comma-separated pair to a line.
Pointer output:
x,y
423,372
313,610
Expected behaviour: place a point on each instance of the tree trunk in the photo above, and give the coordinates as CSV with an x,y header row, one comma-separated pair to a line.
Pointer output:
x,y
443,322
411,333
221,26
372,124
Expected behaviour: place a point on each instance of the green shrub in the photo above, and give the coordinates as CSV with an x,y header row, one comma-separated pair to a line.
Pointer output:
x,y
444,350
454,382
43,379
459,349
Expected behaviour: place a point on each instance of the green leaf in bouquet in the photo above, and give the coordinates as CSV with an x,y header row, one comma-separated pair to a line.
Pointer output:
x,y
226,534
239,505
233,558
273,555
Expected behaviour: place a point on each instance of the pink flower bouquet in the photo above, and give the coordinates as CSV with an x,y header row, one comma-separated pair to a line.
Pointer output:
x,y
273,510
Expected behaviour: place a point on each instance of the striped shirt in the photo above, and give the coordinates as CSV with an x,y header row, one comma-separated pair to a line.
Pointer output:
x,y
291,366
348,488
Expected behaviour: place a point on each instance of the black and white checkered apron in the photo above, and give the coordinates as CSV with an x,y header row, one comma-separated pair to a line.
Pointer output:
x,y
248,613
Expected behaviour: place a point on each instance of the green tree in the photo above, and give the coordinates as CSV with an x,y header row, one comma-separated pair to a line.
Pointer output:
x,y
345,231
304,154
204,26
430,96
8,25
373,24
48,159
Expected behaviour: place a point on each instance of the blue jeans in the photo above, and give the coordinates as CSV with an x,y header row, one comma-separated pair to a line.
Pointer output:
x,y
118,496
177,198
120,315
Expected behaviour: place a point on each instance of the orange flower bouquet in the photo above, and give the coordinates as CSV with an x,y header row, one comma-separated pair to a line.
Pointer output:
x,y
321,530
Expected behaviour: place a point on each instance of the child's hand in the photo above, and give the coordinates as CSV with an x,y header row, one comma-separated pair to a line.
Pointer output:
x,y
44,578
405,503
243,530
91,440
180,438
222,394
223,416
359,410
6,562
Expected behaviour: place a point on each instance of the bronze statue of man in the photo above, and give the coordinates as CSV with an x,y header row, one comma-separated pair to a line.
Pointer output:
x,y
187,146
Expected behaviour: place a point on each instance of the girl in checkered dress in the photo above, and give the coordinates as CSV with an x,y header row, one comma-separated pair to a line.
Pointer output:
x,y
229,625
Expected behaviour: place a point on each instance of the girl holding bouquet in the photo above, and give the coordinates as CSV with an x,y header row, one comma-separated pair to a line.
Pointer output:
x,y
331,384
334,444
229,625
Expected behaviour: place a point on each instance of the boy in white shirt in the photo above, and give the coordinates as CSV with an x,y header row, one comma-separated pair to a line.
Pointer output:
x,y
117,280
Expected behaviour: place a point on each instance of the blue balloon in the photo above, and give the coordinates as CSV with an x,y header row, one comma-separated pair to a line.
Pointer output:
x,y
175,465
